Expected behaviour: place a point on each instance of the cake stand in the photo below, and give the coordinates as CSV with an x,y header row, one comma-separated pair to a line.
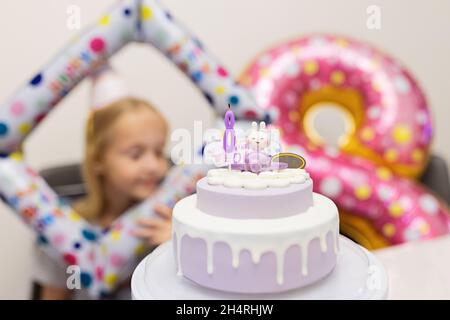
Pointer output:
x,y
357,275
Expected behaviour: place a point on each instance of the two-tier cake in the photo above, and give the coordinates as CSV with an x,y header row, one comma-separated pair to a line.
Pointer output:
x,y
244,232
255,227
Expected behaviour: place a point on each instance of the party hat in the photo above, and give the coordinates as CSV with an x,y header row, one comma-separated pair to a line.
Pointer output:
x,y
107,87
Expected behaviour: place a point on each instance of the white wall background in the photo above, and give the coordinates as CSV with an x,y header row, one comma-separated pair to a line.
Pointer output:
x,y
31,32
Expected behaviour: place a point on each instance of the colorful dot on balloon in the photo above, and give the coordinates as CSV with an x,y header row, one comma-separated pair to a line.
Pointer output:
x,y
384,173
264,72
388,229
401,134
97,45
42,240
104,21
268,117
294,116
39,117
310,67
70,259
111,279
429,204
376,86
115,235
85,279
139,25
417,155
209,98
219,90
331,186
391,155
89,235
127,12
363,192
396,210
311,146
222,72
58,213
99,272
17,156
296,50
250,114
77,245
139,249
146,13
36,80
246,80
198,43
74,216
48,220
58,239
116,260
197,76
411,234
367,134
233,100
424,228
342,42
17,108
376,62
337,77
104,250
402,84
293,70
3,129
24,128
205,68
91,255
374,112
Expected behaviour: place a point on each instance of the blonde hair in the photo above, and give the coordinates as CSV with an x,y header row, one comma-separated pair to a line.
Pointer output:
x,y
98,131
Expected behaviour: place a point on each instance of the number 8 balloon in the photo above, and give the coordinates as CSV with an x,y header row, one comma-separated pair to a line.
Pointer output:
x,y
387,145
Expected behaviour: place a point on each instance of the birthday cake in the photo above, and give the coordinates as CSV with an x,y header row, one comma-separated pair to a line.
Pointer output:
x,y
256,226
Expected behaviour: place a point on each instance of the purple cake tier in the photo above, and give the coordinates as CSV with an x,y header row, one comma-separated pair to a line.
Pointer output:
x,y
249,277
241,203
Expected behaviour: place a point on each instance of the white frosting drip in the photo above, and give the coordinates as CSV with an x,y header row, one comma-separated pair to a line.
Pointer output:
x,y
250,180
258,236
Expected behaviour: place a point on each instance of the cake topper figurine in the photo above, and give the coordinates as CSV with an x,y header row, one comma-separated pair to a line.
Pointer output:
x,y
259,151
257,146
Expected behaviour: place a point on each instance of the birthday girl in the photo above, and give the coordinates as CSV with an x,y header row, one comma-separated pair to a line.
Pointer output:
x,y
123,165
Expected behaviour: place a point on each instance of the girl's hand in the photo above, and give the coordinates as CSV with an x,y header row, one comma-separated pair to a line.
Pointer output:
x,y
156,230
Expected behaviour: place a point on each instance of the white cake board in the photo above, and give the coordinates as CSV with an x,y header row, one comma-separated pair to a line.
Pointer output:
x,y
357,275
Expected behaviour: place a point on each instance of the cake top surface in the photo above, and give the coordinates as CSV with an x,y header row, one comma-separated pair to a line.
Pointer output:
x,y
250,180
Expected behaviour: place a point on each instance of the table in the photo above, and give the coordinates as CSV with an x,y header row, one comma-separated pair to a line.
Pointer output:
x,y
418,270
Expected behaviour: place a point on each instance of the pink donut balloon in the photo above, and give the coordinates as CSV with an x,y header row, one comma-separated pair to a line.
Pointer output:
x,y
388,136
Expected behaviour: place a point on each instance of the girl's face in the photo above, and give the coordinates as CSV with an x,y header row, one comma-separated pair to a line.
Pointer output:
x,y
133,163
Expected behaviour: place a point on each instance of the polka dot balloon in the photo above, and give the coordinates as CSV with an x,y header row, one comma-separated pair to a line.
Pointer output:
x,y
65,235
